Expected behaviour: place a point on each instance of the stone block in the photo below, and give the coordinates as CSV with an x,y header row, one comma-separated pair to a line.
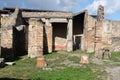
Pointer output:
x,y
10,63
41,62
106,53
84,59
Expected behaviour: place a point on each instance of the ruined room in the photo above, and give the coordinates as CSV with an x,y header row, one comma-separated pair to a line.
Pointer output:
x,y
35,32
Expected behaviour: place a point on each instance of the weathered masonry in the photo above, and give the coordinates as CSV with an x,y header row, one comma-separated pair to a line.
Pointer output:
x,y
36,32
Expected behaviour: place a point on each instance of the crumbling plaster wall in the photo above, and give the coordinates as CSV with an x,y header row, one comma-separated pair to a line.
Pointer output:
x,y
59,36
6,37
111,34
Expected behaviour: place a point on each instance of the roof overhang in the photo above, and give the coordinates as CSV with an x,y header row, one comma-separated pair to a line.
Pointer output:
x,y
82,12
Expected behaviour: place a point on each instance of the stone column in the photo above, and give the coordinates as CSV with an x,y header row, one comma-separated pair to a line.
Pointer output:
x,y
84,40
39,38
100,15
98,31
49,33
35,38
70,35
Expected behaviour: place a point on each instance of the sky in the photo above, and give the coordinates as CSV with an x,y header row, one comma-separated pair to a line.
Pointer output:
x,y
112,7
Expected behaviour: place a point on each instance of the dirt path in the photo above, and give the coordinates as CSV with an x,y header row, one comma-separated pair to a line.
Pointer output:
x,y
114,71
112,68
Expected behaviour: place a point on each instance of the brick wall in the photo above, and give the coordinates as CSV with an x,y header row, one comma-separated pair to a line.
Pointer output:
x,y
35,38
7,35
90,33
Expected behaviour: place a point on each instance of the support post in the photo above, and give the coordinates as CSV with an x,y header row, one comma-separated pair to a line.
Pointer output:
x,y
70,35
35,38
49,33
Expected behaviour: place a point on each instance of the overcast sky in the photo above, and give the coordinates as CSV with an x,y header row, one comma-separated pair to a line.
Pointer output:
x,y
112,7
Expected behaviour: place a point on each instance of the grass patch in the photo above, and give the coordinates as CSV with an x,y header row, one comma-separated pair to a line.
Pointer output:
x,y
68,73
115,56
25,68
81,52
22,69
75,59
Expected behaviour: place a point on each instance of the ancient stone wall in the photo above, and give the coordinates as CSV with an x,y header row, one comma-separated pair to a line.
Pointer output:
x,y
48,14
98,30
90,33
49,35
6,37
49,30
98,37
35,38
7,25
70,35
100,14
111,34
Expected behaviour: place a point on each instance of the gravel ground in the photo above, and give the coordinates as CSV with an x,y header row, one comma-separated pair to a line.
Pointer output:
x,y
114,72
112,68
